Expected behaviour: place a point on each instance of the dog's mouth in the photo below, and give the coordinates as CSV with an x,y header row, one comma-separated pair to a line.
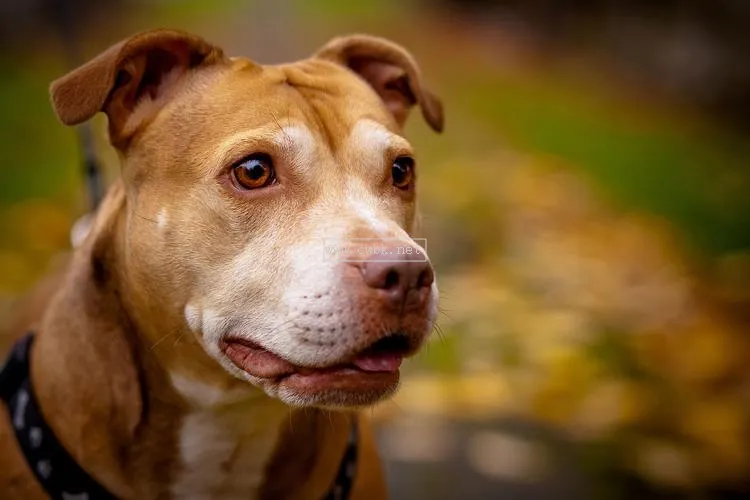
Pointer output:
x,y
374,369
383,356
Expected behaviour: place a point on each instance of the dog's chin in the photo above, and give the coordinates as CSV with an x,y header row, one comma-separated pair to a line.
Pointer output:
x,y
341,394
344,389
356,382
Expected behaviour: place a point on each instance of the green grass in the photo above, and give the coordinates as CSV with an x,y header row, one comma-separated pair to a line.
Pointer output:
x,y
39,153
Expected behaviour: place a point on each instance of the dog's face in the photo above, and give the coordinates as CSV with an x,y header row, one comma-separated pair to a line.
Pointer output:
x,y
269,210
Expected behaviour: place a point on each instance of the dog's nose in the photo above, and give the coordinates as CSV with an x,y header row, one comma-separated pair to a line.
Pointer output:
x,y
403,276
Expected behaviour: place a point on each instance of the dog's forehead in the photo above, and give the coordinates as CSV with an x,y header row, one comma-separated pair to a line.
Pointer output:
x,y
324,97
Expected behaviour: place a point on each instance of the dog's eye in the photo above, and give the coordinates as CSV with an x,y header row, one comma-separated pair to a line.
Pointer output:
x,y
254,172
402,172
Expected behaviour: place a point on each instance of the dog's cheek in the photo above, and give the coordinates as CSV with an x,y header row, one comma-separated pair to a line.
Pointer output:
x,y
185,242
245,287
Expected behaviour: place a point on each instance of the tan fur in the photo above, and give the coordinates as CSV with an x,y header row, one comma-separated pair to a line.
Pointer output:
x,y
174,253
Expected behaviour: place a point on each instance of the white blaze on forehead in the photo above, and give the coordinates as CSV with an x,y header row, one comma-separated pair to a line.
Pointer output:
x,y
370,138
370,141
298,145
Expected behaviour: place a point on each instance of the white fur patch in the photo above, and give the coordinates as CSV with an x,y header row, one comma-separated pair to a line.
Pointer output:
x,y
202,395
213,326
193,318
80,230
224,453
226,440
370,138
161,219
209,325
298,144
365,206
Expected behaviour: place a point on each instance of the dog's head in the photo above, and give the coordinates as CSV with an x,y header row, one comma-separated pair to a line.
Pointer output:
x,y
268,208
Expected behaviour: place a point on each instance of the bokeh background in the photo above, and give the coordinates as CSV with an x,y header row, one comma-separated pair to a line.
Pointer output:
x,y
587,208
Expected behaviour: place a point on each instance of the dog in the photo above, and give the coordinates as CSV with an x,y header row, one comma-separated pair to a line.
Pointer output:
x,y
226,317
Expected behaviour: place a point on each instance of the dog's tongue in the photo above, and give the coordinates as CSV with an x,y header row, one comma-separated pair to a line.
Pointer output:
x,y
382,362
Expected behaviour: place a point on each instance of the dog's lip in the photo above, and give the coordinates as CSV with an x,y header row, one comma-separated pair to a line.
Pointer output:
x,y
256,360
259,362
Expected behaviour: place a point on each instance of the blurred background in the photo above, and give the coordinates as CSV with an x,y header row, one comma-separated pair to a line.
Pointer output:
x,y
587,208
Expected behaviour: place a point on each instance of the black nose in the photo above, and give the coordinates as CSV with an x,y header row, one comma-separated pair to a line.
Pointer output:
x,y
403,277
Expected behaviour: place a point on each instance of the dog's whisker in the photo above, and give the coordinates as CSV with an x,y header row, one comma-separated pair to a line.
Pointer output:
x,y
153,221
444,312
162,339
278,124
279,328
291,420
330,419
179,338
439,330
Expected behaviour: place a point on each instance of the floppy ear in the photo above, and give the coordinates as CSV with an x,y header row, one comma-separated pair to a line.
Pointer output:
x,y
139,68
390,70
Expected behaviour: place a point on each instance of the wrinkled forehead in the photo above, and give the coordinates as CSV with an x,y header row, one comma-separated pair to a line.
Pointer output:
x,y
315,99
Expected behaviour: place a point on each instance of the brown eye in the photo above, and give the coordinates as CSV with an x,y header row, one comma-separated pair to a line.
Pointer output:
x,y
254,172
402,172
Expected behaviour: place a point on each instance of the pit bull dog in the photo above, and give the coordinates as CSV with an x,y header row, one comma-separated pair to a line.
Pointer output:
x,y
225,318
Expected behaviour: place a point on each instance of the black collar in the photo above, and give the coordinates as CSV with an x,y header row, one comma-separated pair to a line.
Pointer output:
x,y
60,476
58,473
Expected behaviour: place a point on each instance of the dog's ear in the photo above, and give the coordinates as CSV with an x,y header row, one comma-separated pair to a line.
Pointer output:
x,y
390,70
138,68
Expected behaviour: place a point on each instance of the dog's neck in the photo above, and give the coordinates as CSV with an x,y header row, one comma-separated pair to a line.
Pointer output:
x,y
145,431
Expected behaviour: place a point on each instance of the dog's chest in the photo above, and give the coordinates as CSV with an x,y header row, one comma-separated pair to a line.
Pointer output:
x,y
223,452
218,463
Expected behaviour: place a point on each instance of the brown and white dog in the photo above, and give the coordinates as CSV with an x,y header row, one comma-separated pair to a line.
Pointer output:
x,y
202,343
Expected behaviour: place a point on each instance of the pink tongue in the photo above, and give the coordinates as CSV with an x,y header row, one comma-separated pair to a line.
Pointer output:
x,y
379,362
